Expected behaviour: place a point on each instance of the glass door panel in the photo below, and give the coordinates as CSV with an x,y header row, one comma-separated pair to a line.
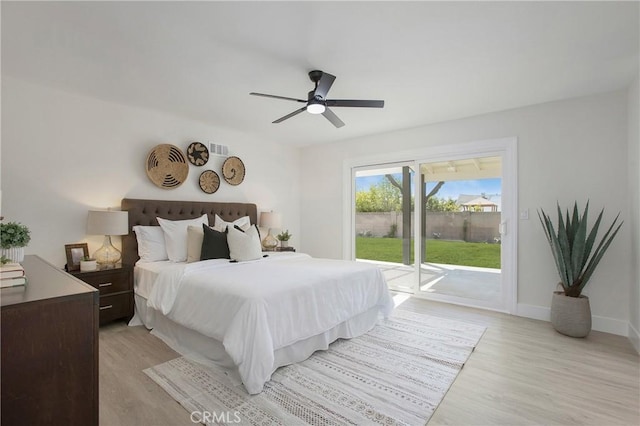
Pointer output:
x,y
460,241
383,207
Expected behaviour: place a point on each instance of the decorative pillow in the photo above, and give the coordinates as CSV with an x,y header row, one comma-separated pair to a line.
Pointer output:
x,y
221,226
151,244
195,234
175,235
244,245
214,244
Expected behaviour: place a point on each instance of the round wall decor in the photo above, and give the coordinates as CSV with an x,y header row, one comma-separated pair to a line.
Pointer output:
x,y
167,166
198,154
233,170
209,181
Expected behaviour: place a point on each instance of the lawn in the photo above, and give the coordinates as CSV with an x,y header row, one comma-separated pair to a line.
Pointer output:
x,y
438,251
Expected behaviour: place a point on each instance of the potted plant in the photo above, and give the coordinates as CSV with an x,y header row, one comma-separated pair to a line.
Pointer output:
x,y
87,264
14,237
284,237
576,257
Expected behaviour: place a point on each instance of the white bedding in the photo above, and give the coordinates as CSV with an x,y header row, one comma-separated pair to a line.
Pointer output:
x,y
255,308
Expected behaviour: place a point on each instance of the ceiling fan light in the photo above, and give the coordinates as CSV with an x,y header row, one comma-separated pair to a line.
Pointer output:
x,y
315,108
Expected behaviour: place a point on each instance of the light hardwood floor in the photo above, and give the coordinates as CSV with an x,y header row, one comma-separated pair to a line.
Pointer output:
x,y
521,373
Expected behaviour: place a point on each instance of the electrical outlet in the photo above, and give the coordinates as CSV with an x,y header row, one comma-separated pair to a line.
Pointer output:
x,y
524,214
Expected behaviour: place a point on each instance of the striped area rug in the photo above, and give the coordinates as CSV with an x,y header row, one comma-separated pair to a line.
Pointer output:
x,y
396,374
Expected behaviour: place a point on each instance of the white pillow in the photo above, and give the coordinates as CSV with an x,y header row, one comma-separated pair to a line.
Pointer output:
x,y
151,245
244,245
220,225
195,235
175,235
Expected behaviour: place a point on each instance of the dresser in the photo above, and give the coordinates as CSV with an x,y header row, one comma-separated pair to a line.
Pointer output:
x,y
49,346
116,291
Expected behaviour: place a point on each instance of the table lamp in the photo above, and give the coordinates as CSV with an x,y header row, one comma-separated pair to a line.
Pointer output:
x,y
270,220
107,223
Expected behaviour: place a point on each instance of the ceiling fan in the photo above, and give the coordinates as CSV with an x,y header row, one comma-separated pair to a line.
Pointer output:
x,y
317,102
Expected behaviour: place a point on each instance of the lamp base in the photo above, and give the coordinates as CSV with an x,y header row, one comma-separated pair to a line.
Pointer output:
x,y
107,256
269,242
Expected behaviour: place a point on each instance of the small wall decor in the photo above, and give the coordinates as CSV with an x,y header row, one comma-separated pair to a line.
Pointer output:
x,y
75,253
209,181
198,154
167,166
233,170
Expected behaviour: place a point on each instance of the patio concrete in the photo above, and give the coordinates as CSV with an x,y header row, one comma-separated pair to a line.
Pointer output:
x,y
454,280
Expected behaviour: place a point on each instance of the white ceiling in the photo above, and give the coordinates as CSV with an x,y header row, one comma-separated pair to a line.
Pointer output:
x,y
429,61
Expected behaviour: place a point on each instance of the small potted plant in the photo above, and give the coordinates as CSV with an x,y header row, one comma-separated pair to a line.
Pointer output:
x,y
14,237
284,237
87,264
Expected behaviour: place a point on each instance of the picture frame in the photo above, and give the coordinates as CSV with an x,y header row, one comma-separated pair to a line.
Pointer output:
x,y
75,253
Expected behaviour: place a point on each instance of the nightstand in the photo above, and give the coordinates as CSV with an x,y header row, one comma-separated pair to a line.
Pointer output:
x,y
116,291
285,249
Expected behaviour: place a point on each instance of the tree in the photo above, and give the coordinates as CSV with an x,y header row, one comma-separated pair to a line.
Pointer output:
x,y
435,204
386,196
381,197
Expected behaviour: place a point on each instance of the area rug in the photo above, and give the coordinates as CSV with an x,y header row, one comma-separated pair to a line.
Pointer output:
x,y
396,374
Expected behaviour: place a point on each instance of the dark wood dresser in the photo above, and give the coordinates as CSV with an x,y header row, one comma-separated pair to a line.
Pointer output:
x,y
49,346
116,291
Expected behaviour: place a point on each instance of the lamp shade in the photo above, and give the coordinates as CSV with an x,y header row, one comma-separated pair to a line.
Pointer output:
x,y
107,222
270,220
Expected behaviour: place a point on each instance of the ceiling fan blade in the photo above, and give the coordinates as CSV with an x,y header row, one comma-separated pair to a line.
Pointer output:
x,y
356,103
277,97
296,112
329,115
325,83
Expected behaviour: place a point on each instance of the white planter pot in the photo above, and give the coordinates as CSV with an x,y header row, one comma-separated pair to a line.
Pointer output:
x,y
284,243
15,254
88,265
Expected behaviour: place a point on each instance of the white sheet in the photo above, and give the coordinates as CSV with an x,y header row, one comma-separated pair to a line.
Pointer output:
x,y
255,308
145,275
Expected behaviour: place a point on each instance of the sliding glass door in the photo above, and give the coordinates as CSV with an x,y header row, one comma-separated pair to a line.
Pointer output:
x,y
437,225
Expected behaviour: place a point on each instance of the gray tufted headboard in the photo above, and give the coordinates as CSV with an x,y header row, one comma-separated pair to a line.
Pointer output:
x,y
145,212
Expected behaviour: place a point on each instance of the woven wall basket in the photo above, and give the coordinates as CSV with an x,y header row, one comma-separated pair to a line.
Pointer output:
x,y
233,170
167,166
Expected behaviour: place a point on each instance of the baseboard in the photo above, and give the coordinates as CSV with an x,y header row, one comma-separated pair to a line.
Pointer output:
x,y
634,336
598,323
533,312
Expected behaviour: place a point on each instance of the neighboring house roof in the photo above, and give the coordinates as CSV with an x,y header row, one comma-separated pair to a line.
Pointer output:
x,y
481,203
465,198
478,202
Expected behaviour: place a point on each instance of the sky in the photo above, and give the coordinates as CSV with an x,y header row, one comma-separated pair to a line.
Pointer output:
x,y
451,189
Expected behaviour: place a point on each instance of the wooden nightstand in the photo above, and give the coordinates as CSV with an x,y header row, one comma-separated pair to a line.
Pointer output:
x,y
116,291
285,249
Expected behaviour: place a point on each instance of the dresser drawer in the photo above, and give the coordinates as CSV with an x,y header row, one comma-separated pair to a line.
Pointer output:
x,y
115,306
109,281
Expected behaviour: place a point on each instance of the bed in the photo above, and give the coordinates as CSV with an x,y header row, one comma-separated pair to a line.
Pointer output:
x,y
249,317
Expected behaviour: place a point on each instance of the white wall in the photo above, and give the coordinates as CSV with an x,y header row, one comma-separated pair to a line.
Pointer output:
x,y
634,208
568,150
63,154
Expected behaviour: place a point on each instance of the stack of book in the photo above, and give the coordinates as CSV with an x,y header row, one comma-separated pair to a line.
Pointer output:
x,y
12,275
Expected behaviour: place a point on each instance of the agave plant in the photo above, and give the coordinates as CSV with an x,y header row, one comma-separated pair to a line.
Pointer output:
x,y
572,246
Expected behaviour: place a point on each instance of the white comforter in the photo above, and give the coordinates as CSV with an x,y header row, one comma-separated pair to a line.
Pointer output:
x,y
255,308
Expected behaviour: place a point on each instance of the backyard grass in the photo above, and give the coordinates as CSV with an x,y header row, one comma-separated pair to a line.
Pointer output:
x,y
438,251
